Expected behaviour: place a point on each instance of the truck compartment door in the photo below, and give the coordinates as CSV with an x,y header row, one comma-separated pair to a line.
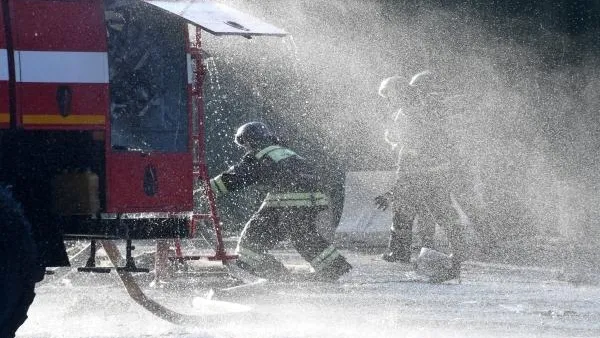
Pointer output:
x,y
149,159
218,19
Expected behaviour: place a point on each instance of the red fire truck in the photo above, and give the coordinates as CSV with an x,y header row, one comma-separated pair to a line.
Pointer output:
x,y
101,116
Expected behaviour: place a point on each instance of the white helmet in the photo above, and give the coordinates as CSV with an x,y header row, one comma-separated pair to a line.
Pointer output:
x,y
392,86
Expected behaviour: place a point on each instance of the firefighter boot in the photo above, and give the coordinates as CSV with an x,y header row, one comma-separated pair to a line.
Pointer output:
x,y
333,272
268,267
454,272
399,246
443,275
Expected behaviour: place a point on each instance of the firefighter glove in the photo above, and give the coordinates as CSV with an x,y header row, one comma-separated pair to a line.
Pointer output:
x,y
382,201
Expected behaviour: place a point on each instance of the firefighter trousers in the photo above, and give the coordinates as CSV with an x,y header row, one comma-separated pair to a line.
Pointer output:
x,y
271,225
433,199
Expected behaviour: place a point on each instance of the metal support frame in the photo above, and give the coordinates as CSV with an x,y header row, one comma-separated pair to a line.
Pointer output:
x,y
129,262
90,265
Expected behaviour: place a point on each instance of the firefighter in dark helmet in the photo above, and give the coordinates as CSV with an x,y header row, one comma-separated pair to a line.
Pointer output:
x,y
288,211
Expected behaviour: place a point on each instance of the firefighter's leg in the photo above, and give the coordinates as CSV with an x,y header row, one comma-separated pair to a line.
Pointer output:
x,y
449,218
399,246
326,260
261,233
425,230
479,223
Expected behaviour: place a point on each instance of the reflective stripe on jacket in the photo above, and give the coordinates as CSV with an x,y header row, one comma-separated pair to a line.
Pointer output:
x,y
218,186
276,153
325,258
295,199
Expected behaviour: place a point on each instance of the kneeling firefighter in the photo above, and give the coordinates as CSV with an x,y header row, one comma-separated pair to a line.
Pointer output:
x,y
288,211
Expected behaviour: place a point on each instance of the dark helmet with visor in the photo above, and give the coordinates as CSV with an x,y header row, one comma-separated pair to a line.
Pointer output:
x,y
254,134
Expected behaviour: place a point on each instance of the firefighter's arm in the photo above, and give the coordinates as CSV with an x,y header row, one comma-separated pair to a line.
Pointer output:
x,y
217,185
239,176
383,201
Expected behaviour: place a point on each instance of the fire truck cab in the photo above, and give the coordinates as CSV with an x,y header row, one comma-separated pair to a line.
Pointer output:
x,y
101,114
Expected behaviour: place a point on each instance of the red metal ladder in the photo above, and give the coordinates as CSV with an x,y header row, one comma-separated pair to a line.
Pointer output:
x,y
200,167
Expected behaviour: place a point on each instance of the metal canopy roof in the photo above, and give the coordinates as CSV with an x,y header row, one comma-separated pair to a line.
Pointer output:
x,y
218,19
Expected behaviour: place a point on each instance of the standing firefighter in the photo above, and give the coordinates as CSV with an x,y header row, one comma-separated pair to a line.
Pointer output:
x,y
19,268
430,172
288,211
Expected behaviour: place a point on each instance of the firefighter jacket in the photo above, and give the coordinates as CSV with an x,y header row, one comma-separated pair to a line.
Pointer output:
x,y
422,142
291,180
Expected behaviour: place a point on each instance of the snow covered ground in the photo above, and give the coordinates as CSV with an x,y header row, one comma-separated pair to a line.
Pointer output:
x,y
375,300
